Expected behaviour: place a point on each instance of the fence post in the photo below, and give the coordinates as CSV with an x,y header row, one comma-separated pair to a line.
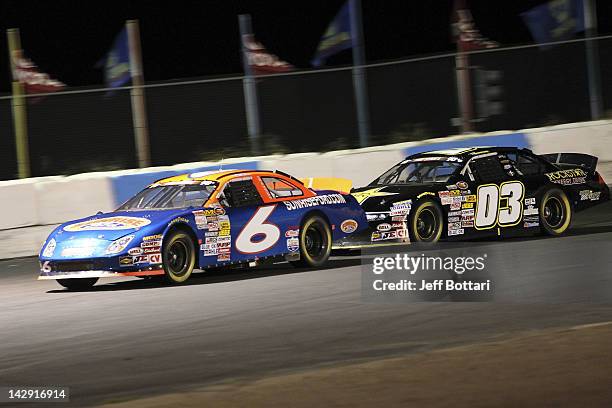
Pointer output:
x,y
18,105
359,76
251,100
592,56
139,112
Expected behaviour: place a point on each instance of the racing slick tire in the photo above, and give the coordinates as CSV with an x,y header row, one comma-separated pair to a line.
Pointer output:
x,y
178,257
426,222
555,212
78,284
315,242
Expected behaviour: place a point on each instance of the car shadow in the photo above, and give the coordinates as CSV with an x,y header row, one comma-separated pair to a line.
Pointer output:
x,y
213,276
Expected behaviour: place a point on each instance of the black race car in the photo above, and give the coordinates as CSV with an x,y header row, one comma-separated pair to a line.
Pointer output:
x,y
478,192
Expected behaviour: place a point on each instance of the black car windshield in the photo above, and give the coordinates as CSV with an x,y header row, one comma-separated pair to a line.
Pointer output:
x,y
419,171
169,196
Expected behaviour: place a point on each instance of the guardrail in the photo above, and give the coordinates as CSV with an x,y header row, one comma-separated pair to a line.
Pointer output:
x,y
53,200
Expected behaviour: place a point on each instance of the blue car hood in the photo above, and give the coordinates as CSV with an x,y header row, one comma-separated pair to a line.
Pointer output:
x,y
114,225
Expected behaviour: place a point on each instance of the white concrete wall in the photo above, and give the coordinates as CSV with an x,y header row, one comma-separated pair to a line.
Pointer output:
x,y
53,200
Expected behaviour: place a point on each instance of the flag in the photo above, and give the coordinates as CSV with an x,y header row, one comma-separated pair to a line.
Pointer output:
x,y
34,81
260,60
465,33
556,20
337,37
117,62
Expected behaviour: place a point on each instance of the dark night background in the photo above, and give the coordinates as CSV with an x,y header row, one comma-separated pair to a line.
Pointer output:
x,y
199,39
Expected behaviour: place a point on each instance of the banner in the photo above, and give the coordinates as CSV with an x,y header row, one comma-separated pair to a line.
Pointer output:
x,y
337,37
34,81
260,60
117,63
556,20
465,33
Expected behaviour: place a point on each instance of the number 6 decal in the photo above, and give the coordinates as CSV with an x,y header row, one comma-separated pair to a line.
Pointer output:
x,y
257,227
489,211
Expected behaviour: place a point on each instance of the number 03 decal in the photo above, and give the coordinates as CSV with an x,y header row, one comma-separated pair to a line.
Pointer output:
x,y
258,235
489,210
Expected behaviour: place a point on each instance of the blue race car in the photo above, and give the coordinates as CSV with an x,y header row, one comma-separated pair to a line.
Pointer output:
x,y
200,221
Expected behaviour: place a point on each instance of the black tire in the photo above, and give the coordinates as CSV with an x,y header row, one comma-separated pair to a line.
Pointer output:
x,y
178,257
426,222
78,284
315,242
555,212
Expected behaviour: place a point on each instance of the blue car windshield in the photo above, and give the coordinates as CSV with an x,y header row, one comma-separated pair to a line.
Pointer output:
x,y
419,171
169,196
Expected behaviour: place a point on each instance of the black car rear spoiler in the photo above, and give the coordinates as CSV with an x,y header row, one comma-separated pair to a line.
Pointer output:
x,y
568,160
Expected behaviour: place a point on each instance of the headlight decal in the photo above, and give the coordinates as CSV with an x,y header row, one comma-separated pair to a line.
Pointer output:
x,y
50,248
119,245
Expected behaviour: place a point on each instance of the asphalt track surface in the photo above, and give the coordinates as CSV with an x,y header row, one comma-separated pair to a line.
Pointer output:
x,y
130,338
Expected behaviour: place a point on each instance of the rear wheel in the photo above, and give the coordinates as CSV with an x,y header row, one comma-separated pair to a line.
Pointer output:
x,y
555,212
178,256
78,284
315,242
426,222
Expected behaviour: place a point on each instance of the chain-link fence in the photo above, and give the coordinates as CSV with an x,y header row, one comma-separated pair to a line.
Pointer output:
x,y
88,130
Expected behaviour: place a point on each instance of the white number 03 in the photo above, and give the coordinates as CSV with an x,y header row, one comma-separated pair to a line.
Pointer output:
x,y
489,210
265,234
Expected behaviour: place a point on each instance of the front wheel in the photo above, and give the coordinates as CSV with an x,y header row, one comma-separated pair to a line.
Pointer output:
x,y
426,222
178,257
555,212
315,242
78,284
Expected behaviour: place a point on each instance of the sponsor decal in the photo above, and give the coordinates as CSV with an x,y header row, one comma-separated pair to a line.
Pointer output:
x,y
446,200
224,232
443,194
155,258
467,205
223,257
348,226
384,227
531,219
290,233
398,225
293,244
135,251
108,224
200,219
454,213
398,218
467,224
462,185
210,240
459,231
213,226
451,187
401,207
455,206
531,224
454,219
567,177
152,250
470,198
126,261
530,201
211,234
426,193
224,239
151,244
588,195
178,219
224,225
394,234
454,225
152,237
327,199
455,193
531,210
361,196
